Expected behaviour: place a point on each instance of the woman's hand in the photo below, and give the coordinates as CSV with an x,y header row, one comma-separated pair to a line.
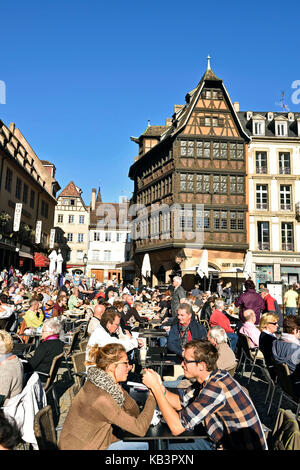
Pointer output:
x,y
151,379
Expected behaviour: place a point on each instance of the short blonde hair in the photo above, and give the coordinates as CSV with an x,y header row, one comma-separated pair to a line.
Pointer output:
x,y
6,342
267,318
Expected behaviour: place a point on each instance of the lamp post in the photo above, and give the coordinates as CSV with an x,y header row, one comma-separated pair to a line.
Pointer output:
x,y
85,260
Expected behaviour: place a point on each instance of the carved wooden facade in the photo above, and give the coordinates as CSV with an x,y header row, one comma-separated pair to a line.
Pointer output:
x,y
198,165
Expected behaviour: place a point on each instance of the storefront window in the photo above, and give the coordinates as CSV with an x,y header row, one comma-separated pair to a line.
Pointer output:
x,y
264,274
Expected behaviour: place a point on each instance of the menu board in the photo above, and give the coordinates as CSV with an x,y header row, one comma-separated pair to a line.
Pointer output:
x,y
276,292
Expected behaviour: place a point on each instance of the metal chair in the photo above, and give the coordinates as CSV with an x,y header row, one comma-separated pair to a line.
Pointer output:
x,y
286,386
248,354
44,429
69,349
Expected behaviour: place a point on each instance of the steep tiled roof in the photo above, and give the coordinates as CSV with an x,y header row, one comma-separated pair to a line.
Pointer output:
x,y
70,190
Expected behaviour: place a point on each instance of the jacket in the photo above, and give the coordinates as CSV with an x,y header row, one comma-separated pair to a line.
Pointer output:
x,y
250,300
24,407
174,344
43,356
218,318
88,425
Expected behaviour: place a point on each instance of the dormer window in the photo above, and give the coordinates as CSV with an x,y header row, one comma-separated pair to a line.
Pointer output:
x,y
258,128
281,129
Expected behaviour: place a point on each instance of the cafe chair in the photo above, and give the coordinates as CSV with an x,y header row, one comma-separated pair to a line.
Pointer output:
x,y
44,429
49,382
78,360
69,349
286,386
83,345
248,354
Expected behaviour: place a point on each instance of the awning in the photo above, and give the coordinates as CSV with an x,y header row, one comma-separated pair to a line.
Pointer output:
x,y
24,254
41,260
74,266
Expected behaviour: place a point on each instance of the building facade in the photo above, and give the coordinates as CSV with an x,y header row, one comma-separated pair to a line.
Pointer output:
x,y
109,240
26,180
71,228
190,183
274,194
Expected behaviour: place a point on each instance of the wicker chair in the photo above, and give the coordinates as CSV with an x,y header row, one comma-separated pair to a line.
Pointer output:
x,y
78,360
44,429
49,385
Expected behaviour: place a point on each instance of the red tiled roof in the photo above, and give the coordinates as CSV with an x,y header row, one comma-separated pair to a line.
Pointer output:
x,y
70,190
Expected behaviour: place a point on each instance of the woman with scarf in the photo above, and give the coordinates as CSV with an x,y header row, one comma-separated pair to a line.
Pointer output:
x,y
49,347
11,369
102,403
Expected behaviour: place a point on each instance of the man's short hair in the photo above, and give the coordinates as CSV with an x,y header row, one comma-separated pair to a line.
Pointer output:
x,y
248,313
218,333
187,307
177,279
291,323
219,304
4,298
264,289
108,316
205,352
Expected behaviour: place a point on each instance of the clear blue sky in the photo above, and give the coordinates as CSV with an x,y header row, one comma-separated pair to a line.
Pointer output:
x,y
82,77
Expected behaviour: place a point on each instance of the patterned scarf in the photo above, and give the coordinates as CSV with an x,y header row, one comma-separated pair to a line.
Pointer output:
x,y
183,334
105,382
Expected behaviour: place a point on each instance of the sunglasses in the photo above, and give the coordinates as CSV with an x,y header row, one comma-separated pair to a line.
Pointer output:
x,y
273,323
187,361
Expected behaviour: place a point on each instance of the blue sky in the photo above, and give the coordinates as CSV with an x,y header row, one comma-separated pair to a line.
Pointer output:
x,y
82,77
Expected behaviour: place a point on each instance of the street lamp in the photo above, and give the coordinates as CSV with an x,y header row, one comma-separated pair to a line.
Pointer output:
x,y
85,260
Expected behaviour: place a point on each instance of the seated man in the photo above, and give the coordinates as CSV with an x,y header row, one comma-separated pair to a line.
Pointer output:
x,y
108,332
287,349
185,329
95,320
74,301
33,317
219,318
132,315
218,338
249,328
215,400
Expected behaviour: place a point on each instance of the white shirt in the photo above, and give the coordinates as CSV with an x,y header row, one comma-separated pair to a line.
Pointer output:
x,y
101,337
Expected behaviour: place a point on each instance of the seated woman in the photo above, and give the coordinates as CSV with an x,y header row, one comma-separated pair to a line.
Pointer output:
x,y
49,347
102,403
268,326
11,369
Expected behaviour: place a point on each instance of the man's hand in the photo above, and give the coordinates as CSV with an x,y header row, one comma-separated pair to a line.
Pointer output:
x,y
151,379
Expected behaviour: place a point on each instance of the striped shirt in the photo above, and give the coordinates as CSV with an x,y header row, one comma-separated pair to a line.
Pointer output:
x,y
226,411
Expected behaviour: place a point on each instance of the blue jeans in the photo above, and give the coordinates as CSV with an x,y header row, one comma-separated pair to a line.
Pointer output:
x,y
197,444
121,445
233,340
290,310
173,383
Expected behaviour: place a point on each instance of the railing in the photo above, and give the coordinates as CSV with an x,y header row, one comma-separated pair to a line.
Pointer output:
x,y
264,246
287,246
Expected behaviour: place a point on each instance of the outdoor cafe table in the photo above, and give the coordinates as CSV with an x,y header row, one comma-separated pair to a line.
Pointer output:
x,y
161,434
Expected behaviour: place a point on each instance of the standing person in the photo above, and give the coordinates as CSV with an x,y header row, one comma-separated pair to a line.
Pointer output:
x,y
93,427
271,304
177,294
227,292
250,299
215,400
290,301
220,288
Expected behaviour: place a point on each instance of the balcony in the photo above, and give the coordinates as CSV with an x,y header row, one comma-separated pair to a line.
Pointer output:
x,y
262,206
264,246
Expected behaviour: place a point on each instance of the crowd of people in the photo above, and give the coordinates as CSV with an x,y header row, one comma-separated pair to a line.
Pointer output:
x,y
201,331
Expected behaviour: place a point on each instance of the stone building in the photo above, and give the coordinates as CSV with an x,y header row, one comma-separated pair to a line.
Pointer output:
x,y
26,180
274,194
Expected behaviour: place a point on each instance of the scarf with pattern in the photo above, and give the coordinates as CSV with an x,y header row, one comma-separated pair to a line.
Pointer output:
x,y
105,382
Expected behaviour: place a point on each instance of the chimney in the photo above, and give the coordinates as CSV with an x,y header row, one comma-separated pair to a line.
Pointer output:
x,y
236,106
93,203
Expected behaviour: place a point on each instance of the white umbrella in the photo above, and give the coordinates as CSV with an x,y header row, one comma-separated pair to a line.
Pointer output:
x,y
247,269
52,264
202,269
146,267
59,262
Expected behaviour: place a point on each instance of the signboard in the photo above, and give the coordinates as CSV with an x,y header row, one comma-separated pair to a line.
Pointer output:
x,y
17,217
38,231
52,238
276,292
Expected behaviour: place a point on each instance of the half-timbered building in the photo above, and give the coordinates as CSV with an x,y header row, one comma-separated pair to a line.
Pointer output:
x,y
190,185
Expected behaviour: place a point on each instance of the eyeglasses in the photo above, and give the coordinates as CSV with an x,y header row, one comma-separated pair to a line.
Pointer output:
x,y
125,362
187,361
49,305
